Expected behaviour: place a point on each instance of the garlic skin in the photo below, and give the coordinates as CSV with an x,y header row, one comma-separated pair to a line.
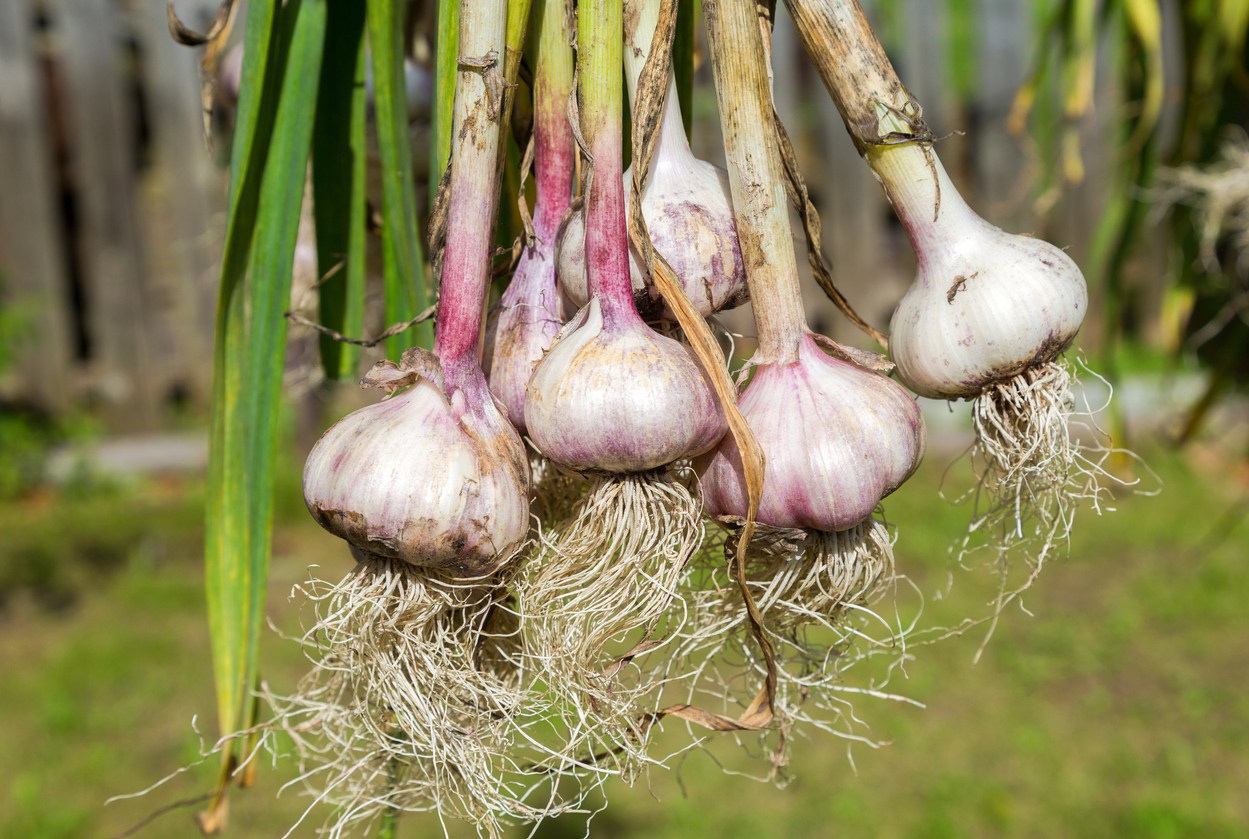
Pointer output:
x,y
522,328
689,215
986,305
530,315
837,438
435,481
620,398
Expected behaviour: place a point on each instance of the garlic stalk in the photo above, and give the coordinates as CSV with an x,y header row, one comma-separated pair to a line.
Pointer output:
x,y
617,401
837,434
529,316
687,206
823,422
431,489
989,313
986,305
612,395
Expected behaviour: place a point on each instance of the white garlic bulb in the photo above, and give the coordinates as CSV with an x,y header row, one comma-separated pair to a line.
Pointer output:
x,y
986,305
435,481
837,439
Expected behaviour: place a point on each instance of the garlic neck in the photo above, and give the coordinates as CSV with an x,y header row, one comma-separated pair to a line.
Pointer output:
x,y
673,148
935,216
474,193
554,149
606,239
554,154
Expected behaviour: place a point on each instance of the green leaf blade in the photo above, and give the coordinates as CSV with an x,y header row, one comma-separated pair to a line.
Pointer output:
x,y
338,173
403,259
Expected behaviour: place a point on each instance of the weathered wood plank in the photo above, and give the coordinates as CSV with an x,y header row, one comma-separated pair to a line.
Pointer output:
x,y
31,254
188,193
122,370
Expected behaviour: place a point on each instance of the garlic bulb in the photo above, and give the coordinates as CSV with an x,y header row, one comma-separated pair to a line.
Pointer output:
x,y
522,328
986,305
620,398
529,316
687,205
837,437
436,480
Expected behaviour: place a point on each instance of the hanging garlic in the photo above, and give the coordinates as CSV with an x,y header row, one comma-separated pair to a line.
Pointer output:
x,y
828,427
617,401
986,305
837,436
988,315
431,489
687,206
529,316
437,481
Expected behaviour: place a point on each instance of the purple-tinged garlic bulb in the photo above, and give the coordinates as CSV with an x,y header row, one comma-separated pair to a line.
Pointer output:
x,y
433,477
530,315
837,438
687,206
620,398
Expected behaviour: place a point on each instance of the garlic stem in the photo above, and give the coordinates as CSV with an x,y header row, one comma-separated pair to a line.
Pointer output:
x,y
930,208
852,64
554,148
760,206
641,19
474,194
600,33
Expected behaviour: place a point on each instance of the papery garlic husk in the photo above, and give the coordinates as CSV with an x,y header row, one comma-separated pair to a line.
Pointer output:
x,y
522,329
986,305
837,439
620,398
689,215
434,480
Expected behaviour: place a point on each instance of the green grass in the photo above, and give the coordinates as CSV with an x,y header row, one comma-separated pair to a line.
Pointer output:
x,y
1121,707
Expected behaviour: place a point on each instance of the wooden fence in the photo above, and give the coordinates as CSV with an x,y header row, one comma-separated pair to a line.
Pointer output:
x,y
109,208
